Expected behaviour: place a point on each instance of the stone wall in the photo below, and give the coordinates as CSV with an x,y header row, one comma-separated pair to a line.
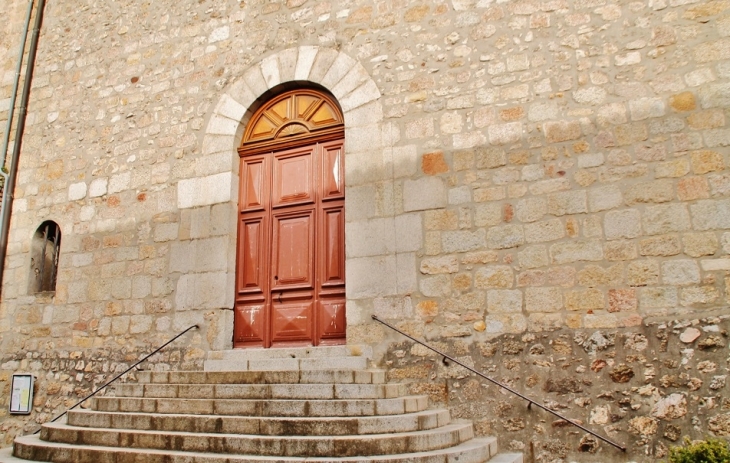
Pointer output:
x,y
512,168
645,388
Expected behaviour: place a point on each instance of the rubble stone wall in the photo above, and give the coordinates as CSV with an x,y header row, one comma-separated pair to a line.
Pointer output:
x,y
644,388
513,168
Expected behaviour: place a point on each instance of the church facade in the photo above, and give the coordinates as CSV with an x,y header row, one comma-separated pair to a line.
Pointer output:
x,y
539,187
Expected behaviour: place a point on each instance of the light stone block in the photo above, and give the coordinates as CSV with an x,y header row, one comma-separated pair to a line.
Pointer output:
x,y
710,214
219,125
533,256
255,81
339,69
604,198
545,299
204,191
372,237
98,187
77,191
405,160
201,291
362,95
711,265
408,232
371,277
622,224
322,62
531,209
305,60
436,286
576,251
423,193
230,108
543,231
355,77
119,182
242,93
370,113
270,71
462,240
504,301
680,272
287,64
666,218
407,275
360,202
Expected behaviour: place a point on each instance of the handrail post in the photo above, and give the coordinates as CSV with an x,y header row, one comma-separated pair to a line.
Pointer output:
x,y
497,383
121,374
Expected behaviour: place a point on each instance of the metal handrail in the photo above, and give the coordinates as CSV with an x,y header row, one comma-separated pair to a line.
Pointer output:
x,y
120,375
503,386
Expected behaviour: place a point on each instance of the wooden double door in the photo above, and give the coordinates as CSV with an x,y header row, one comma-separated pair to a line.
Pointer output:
x,y
290,288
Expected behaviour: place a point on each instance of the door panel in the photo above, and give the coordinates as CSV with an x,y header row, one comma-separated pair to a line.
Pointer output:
x,y
290,285
293,251
293,180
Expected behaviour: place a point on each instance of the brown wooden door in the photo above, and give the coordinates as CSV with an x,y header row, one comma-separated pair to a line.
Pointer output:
x,y
290,286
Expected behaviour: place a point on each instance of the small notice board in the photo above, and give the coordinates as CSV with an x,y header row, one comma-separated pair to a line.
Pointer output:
x,y
21,394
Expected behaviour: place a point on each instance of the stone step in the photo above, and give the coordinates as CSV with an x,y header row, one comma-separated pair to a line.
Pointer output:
x,y
264,407
269,426
292,352
32,448
348,376
241,444
287,364
262,391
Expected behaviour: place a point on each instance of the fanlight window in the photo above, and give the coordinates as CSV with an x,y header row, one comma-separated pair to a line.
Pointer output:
x,y
44,257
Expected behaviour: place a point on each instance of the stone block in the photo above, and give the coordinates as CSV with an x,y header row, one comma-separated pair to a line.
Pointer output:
x,y
645,108
77,191
665,218
504,134
438,265
459,195
622,224
674,168
709,119
462,240
531,209
409,232
533,257
657,191
424,193
436,286
604,198
504,301
567,202
196,291
658,297
204,191
680,272
230,108
560,131
543,231
711,265
705,161
544,299
505,236
698,295
588,299
372,237
494,276
592,96
576,251
710,214
642,273
612,114
305,61
98,187
545,322
664,245
700,244
371,277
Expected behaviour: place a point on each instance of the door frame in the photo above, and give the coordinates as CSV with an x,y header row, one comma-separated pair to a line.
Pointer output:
x,y
316,126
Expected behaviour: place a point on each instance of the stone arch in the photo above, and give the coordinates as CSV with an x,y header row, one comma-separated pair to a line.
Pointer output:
x,y
345,78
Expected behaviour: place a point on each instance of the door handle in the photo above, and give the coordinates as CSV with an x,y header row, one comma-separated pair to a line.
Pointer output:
x,y
280,292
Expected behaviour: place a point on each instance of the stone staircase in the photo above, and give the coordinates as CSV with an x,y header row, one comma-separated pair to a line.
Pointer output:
x,y
278,405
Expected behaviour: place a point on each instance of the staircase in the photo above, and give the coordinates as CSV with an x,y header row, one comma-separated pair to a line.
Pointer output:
x,y
279,405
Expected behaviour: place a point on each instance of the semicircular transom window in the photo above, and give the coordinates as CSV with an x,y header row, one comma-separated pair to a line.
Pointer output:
x,y
292,115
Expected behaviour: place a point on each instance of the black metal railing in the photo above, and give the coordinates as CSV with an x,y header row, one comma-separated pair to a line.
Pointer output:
x,y
503,386
121,374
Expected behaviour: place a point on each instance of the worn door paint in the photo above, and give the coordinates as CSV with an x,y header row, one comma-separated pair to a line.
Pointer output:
x,y
290,287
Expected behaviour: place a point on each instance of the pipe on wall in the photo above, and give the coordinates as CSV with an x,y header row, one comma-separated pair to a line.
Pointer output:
x,y
9,187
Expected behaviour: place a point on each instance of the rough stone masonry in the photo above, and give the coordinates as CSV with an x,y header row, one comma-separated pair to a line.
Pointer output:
x,y
540,186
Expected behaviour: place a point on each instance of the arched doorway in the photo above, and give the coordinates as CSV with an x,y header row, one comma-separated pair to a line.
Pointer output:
x,y
290,274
